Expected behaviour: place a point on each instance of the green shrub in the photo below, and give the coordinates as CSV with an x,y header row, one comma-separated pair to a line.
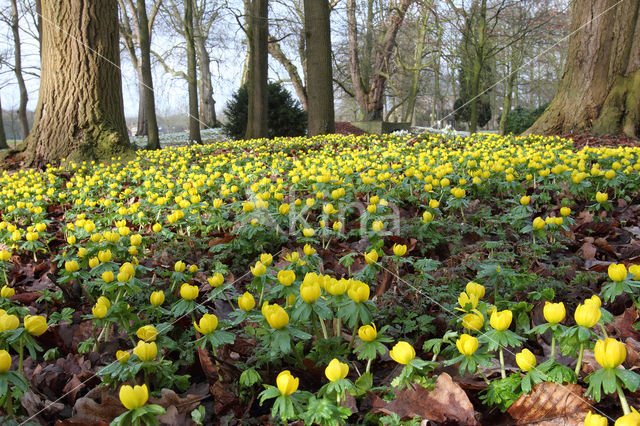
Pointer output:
x,y
285,116
520,119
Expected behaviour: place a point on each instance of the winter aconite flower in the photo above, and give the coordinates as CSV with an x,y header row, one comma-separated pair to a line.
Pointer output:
x,y
5,361
371,257
467,345
475,289
617,272
148,333
473,321
368,333
587,315
467,301
610,353
122,356
595,420
286,277
287,384
399,249
133,397
99,310
601,197
180,266
71,266
246,302
146,351
554,312
208,324
259,269
631,419
359,292
157,298
7,292
526,360
402,353
216,280
501,320
336,370
35,325
276,316
188,291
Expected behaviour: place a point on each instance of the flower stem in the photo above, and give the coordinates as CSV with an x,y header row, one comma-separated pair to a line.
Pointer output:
x,y
502,372
553,348
21,355
579,363
324,327
486,380
623,400
353,336
369,361
604,332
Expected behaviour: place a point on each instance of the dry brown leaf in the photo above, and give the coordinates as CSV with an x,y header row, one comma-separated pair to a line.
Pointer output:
x,y
447,402
588,251
551,404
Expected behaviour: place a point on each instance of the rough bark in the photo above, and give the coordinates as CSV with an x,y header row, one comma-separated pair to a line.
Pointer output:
x,y
80,112
257,125
600,87
3,135
17,50
321,119
207,103
370,96
153,139
298,85
192,74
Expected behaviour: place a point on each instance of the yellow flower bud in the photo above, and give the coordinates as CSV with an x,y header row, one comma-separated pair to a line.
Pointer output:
x,y
122,356
188,291
526,360
467,345
601,197
71,239
266,259
501,320
336,370
595,420
5,361
554,312
368,333
371,257
565,211
180,266
8,322
157,298
148,333
473,321
93,262
631,419
468,302
107,276
377,226
617,272
216,280
538,223
308,232
259,269
287,384
310,290
71,266
399,249
7,292
246,302
99,310
308,250
133,397
610,353
276,316
35,325
476,289
359,292
525,200
146,351
286,277
208,324
587,315
402,353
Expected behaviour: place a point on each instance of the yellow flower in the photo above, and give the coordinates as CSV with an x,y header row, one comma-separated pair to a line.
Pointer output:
x,y
216,280
601,197
148,333
501,320
133,397
336,370
310,290
7,292
476,289
538,223
5,255
554,312
156,227
308,250
266,259
136,240
587,315
595,420
208,324
292,257
377,226
193,269
259,269
104,256
467,345
610,353
617,272
434,204
371,257
107,276
5,361
399,249
565,211
468,302
189,292
122,356
286,277
71,239
402,353
526,360
99,310
71,266
368,333
180,266
146,351
525,200
157,298
594,300
635,271
35,325
359,292
631,419
287,384
276,316
246,302
473,321
93,262
308,232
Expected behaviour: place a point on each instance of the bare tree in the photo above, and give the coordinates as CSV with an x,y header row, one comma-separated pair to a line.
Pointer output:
x,y
258,37
17,69
192,73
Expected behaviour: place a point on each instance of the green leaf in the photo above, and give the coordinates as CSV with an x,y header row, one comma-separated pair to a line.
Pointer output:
x,y
630,379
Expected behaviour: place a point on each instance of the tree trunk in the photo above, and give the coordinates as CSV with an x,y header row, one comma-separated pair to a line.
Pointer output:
x,y
478,64
153,140
508,96
141,129
600,87
207,103
298,85
192,74
257,121
244,80
321,119
22,108
3,135
80,111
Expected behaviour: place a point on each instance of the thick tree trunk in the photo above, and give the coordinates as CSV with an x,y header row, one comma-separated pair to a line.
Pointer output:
x,y
80,111
141,128
153,139
17,49
192,74
506,104
600,88
207,103
257,121
3,135
321,119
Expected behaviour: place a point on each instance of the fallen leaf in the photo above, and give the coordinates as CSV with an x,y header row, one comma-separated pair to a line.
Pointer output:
x,y
588,251
551,404
447,402
622,325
